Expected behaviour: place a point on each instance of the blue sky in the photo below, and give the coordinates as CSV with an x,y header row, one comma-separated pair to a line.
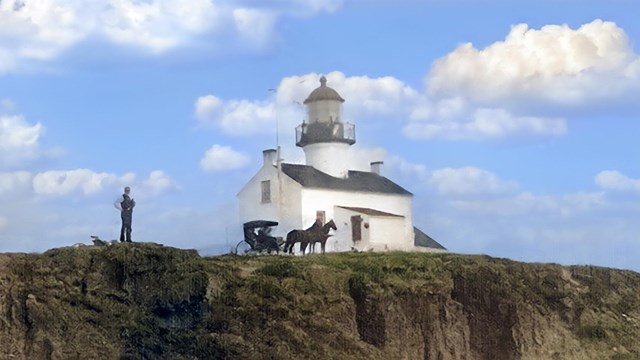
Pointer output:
x,y
514,124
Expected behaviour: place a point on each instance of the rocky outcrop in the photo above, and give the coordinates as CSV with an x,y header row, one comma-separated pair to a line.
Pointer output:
x,y
145,301
100,302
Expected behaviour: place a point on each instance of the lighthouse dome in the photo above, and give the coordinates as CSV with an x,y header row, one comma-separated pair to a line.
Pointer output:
x,y
323,92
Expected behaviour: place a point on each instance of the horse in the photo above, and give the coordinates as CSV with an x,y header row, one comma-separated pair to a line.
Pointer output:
x,y
315,233
300,236
321,236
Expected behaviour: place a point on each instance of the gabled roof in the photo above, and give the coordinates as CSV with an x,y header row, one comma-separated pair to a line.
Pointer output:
x,y
423,240
358,181
369,211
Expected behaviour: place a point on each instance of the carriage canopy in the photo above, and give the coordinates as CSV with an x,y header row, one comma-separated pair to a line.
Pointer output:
x,y
258,224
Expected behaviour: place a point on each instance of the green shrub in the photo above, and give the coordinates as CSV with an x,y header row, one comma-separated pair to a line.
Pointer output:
x,y
280,269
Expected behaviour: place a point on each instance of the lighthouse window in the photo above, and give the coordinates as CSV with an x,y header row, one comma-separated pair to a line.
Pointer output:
x,y
266,191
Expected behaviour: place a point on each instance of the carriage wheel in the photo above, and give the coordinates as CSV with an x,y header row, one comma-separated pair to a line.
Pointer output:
x,y
242,248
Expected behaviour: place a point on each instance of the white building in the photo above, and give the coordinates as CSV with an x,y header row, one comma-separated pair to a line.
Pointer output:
x,y
371,212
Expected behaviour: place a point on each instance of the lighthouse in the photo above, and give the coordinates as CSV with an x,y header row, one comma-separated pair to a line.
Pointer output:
x,y
323,136
371,212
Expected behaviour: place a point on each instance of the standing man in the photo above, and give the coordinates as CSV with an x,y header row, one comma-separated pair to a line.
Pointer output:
x,y
125,204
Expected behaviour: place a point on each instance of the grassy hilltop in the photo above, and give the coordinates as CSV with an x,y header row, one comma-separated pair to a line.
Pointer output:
x,y
144,301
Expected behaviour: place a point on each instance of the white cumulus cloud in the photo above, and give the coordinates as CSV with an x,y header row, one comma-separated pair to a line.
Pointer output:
x,y
469,181
15,183
457,119
255,26
158,25
39,30
556,64
19,140
364,96
88,182
616,181
84,181
158,182
236,117
222,158
370,99
527,203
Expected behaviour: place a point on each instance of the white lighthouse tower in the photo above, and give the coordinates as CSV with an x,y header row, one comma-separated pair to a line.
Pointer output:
x,y
324,138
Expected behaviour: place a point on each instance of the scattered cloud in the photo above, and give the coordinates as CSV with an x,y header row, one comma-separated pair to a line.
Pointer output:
x,y
470,181
407,168
19,140
15,183
35,31
555,64
616,181
526,203
222,158
471,94
84,181
235,117
158,25
87,182
376,99
457,119
365,96
158,182
255,26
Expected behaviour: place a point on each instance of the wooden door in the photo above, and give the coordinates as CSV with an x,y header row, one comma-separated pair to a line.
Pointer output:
x,y
356,228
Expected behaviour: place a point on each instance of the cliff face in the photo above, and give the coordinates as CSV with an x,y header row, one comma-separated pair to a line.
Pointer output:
x,y
143,301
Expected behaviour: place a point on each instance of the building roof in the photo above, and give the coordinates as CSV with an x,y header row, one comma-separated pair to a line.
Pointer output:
x,y
323,92
423,240
369,211
357,181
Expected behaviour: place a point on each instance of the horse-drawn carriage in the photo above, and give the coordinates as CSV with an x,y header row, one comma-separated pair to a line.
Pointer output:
x,y
257,237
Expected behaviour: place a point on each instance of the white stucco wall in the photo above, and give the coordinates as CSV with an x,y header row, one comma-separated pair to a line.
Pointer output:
x,y
342,239
249,198
379,233
327,200
331,158
291,206
285,204
384,234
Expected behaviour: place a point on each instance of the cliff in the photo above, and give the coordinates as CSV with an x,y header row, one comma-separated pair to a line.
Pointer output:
x,y
145,301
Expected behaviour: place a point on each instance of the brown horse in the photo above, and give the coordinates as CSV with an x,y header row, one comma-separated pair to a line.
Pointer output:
x,y
321,236
295,236
315,233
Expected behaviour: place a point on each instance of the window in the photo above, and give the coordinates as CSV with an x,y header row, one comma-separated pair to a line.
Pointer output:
x,y
266,191
320,216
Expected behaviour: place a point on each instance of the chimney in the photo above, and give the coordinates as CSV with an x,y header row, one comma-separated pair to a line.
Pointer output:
x,y
375,167
269,157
